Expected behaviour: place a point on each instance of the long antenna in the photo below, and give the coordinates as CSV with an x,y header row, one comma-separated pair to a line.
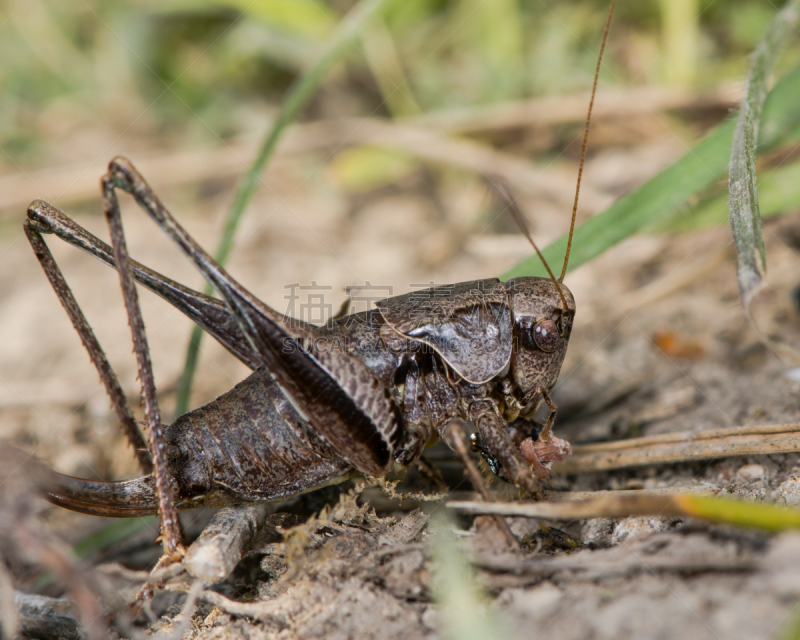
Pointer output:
x,y
501,188
585,140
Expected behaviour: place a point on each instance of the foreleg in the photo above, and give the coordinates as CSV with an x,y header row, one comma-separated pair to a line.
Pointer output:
x,y
453,435
544,436
493,433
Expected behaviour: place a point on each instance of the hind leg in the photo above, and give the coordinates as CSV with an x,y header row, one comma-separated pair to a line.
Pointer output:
x,y
345,402
34,230
211,314
170,527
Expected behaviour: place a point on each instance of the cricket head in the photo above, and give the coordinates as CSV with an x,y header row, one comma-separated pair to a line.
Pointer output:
x,y
542,312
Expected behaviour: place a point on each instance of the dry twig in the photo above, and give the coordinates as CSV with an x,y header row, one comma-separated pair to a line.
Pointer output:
x,y
563,109
79,184
215,554
43,617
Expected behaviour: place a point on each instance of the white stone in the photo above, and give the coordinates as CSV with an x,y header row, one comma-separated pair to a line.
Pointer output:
x,y
789,492
752,472
637,526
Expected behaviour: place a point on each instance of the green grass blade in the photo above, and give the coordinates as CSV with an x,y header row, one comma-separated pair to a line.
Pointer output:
x,y
791,629
463,606
742,185
778,192
741,513
680,26
110,535
298,96
114,533
670,190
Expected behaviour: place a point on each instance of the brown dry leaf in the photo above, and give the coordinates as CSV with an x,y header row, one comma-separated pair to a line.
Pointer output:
x,y
677,346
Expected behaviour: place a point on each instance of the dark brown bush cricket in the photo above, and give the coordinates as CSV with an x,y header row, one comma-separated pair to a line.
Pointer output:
x,y
366,393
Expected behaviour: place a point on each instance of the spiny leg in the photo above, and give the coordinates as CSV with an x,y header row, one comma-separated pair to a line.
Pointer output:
x,y
347,404
432,473
453,434
211,314
544,436
33,230
170,527
493,432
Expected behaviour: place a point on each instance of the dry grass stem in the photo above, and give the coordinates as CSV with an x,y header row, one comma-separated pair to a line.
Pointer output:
x,y
682,447
600,504
565,109
603,567
77,183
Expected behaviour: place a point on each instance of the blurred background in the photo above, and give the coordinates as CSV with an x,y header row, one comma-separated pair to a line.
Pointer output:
x,y
379,184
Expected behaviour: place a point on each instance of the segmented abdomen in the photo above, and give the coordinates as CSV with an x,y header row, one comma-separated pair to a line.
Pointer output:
x,y
251,443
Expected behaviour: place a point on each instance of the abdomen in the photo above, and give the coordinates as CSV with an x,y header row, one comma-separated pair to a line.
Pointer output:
x,y
250,444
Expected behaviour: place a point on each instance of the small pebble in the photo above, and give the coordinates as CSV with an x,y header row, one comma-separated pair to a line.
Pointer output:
x,y
541,601
429,618
789,492
634,527
752,472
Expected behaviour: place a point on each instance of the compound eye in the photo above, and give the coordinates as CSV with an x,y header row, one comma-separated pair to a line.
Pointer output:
x,y
545,335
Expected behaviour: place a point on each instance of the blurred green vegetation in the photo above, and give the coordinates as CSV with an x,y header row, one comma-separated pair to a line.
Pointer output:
x,y
666,202
197,71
